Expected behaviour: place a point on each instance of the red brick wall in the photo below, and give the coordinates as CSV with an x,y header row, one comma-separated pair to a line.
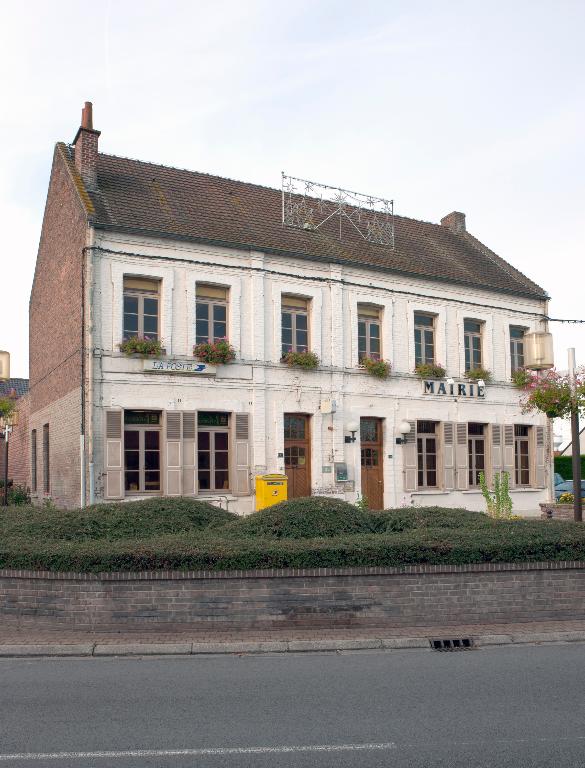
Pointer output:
x,y
56,330
280,599
55,305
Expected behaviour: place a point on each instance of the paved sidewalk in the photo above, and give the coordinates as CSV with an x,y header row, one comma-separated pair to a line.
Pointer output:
x,y
42,641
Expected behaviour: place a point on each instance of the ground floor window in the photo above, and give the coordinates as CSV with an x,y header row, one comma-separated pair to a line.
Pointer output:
x,y
475,452
213,451
522,454
427,450
142,452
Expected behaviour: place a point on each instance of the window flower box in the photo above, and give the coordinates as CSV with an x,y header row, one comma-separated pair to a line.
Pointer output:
x,y
306,360
142,346
430,371
479,374
216,353
521,378
380,369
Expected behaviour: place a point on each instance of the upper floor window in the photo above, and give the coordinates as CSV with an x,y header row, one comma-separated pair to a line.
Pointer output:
x,y
141,308
368,332
295,324
472,338
517,347
424,338
211,304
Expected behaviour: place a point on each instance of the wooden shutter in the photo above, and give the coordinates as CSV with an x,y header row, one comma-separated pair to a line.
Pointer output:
x,y
539,457
461,453
509,457
496,449
114,456
241,485
448,455
409,459
173,453
189,453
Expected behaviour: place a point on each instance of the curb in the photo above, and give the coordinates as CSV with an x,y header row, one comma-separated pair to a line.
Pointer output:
x,y
270,646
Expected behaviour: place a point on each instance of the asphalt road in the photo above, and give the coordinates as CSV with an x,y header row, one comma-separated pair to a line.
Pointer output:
x,y
510,706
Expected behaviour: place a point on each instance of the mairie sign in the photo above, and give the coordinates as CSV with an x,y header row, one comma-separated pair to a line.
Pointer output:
x,y
456,389
189,367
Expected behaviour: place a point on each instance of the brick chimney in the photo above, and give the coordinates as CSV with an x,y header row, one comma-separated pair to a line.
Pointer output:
x,y
86,148
455,221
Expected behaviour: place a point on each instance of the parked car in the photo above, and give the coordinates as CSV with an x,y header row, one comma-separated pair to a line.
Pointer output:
x,y
558,479
567,487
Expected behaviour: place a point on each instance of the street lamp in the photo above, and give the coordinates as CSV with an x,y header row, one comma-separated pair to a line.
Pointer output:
x,y
352,428
404,429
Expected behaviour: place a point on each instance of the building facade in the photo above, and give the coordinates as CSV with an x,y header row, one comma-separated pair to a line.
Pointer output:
x,y
184,258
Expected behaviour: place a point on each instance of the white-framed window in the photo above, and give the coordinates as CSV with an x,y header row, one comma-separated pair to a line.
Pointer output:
x,y
213,451
294,324
427,448
522,457
142,452
211,313
369,332
517,347
424,338
476,445
141,308
472,335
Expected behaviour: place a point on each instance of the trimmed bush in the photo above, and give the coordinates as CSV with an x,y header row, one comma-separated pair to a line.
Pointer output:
x,y
128,520
306,518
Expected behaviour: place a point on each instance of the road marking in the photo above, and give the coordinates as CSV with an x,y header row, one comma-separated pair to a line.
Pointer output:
x,y
197,752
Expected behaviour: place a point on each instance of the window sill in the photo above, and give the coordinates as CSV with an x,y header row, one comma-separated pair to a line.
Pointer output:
x,y
438,492
527,490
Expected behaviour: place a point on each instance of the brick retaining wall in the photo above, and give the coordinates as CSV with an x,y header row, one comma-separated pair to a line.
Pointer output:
x,y
281,599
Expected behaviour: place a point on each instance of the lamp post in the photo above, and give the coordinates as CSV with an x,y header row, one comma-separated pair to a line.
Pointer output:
x,y
575,442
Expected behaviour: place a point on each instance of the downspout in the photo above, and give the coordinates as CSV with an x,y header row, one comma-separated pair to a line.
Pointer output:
x,y
82,465
90,343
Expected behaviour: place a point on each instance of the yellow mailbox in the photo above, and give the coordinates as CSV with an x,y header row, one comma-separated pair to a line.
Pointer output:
x,y
270,489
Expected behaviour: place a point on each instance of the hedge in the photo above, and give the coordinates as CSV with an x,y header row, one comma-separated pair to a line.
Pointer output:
x,y
184,534
499,541
564,466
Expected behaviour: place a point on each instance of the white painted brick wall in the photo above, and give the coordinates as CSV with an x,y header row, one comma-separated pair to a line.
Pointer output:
x,y
261,385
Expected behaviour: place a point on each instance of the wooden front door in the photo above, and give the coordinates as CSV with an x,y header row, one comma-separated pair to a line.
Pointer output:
x,y
297,454
372,462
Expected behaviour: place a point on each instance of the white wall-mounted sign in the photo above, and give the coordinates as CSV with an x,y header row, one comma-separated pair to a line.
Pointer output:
x,y
189,367
455,389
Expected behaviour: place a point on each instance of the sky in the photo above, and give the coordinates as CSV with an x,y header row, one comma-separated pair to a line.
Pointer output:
x,y
441,106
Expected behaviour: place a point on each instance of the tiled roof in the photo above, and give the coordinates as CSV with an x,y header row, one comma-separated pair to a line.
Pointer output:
x,y
19,386
155,199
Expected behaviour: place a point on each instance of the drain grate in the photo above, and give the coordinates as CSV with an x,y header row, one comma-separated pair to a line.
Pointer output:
x,y
452,644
